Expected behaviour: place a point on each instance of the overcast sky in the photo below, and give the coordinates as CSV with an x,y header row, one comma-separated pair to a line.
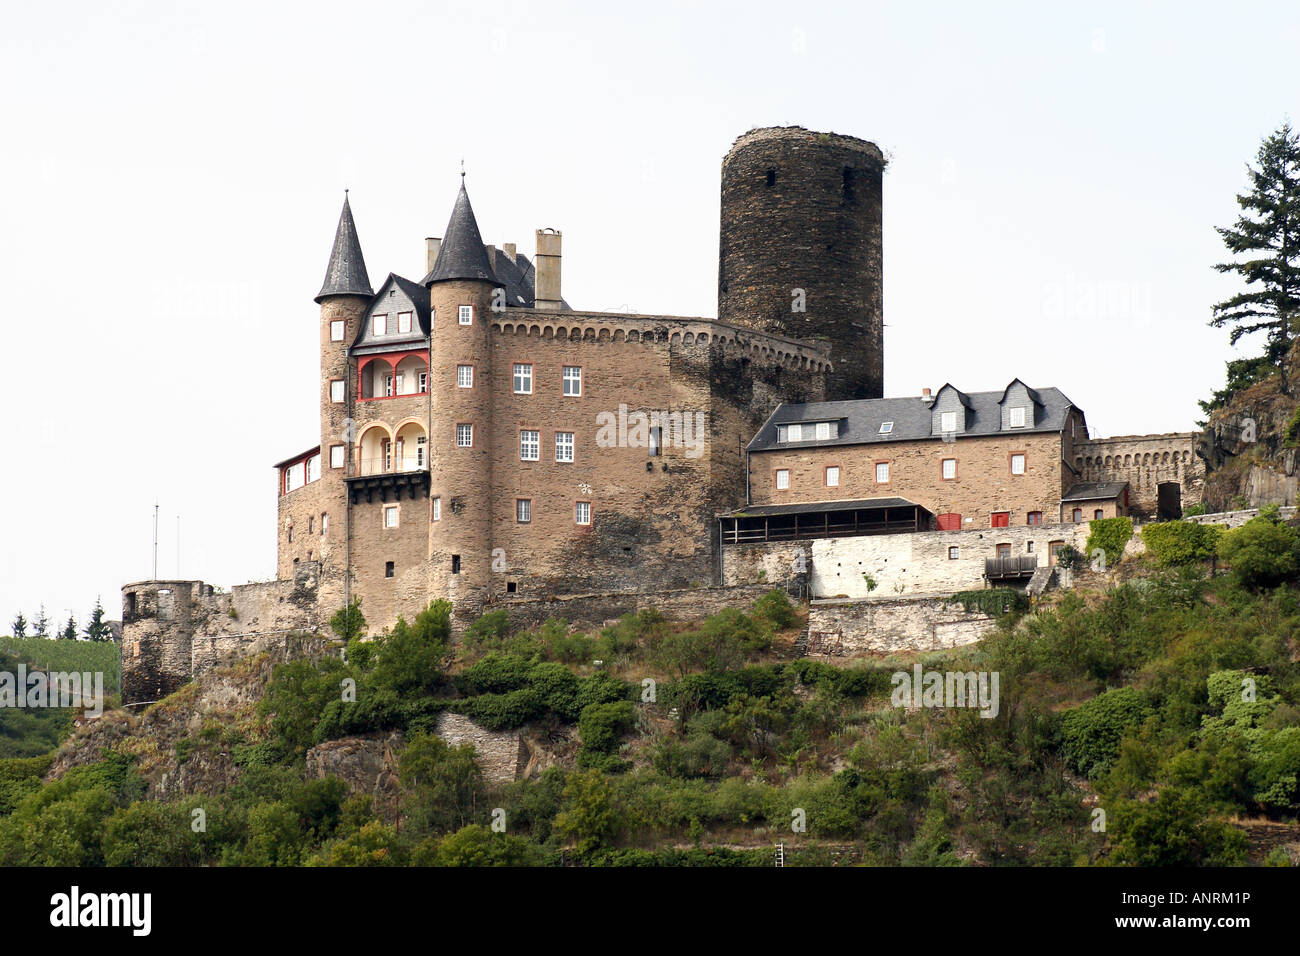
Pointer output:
x,y
173,175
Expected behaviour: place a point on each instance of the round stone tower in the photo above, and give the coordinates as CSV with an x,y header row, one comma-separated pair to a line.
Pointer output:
x,y
800,248
462,289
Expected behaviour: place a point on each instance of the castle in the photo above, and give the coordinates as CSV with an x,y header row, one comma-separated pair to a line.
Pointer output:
x,y
483,441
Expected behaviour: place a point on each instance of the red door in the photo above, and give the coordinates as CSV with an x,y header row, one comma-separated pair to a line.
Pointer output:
x,y
1001,519
949,522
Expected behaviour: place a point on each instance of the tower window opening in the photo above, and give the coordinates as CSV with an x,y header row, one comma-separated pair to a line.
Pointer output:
x,y
511,587
848,184
388,569
771,178
455,564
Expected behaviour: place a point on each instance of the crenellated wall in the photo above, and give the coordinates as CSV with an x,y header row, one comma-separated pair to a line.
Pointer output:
x,y
1145,462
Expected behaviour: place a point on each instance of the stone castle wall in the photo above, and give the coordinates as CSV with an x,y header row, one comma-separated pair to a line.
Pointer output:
x,y
1144,461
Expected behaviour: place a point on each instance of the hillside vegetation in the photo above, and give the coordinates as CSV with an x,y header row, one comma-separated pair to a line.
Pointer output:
x,y
1154,723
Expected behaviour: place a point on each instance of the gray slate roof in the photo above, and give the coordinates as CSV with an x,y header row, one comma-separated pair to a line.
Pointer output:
x,y
346,272
462,255
1095,491
912,418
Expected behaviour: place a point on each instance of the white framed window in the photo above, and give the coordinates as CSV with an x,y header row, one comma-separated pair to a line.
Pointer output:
x,y
379,324
947,421
437,508
582,512
388,454
564,446
313,467
882,472
1017,464
465,315
424,382
523,510
782,479
530,445
950,467
823,431
403,322
954,553
390,516
523,379
324,523
388,386
794,433
1029,547
464,436
571,380
833,476
295,476
337,453
886,428
1018,417
464,376
336,330
337,390
656,439
420,444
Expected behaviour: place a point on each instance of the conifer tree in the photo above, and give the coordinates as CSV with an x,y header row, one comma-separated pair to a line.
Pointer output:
x,y
41,626
19,626
70,629
1266,243
97,630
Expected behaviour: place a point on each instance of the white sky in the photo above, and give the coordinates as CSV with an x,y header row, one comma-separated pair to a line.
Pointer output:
x,y
173,176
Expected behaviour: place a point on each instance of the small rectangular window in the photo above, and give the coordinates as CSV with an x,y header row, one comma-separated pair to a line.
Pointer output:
x,y
437,509
455,564
886,427
465,315
947,421
1097,514
823,431
313,468
388,386
464,376
1029,547
1017,464
582,512
523,379
882,472
530,445
571,380
379,325
564,446
336,330
950,468
337,390
1034,517
523,510
337,453
424,382
403,322
833,476
656,439
1078,515
782,479
464,436
390,516
954,553
1018,417
388,569
324,523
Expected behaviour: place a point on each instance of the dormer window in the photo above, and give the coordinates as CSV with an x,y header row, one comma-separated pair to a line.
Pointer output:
x,y
403,322
947,421
1018,417
886,427
794,433
379,325
823,431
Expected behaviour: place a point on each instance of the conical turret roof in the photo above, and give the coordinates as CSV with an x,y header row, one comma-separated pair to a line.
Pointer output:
x,y
462,255
346,274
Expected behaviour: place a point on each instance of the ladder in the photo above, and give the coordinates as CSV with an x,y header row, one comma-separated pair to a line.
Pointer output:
x,y
780,854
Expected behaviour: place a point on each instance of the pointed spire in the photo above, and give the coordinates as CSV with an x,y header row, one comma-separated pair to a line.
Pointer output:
x,y
462,254
346,274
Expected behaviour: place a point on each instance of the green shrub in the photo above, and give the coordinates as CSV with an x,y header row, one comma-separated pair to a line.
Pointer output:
x,y
1174,543
1262,553
1091,732
600,727
993,601
1109,535
775,610
1069,558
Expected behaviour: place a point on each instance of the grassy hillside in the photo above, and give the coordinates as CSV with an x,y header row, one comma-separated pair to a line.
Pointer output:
x,y
1128,701
28,732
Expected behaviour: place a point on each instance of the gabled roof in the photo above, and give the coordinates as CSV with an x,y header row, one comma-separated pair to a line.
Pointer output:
x,y
1033,395
961,396
913,419
1095,491
298,457
346,272
462,255
368,343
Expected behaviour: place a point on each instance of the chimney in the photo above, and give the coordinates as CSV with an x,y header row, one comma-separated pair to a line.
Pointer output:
x,y
926,397
431,247
492,256
546,287
509,249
